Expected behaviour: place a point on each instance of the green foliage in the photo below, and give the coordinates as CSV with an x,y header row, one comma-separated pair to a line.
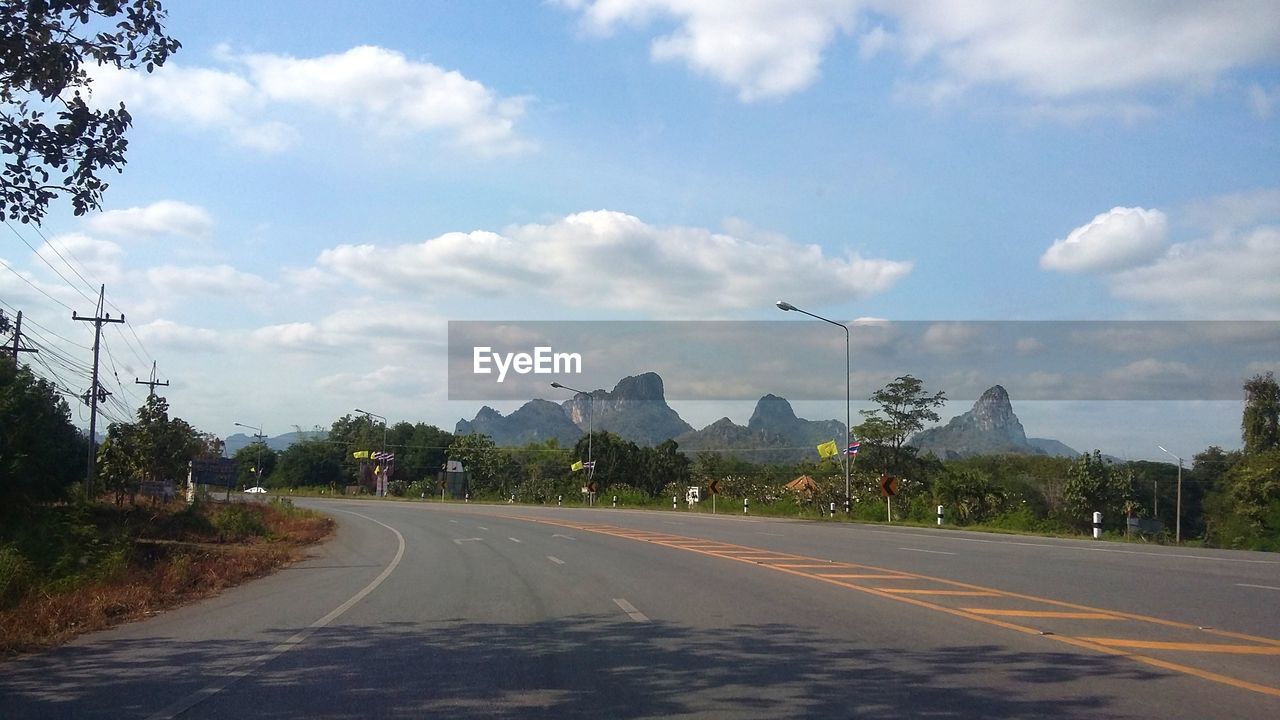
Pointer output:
x,y
42,68
249,458
16,575
41,452
153,448
1260,423
1095,485
310,462
905,407
236,523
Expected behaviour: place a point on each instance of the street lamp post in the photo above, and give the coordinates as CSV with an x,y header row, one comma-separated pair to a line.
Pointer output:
x,y
590,412
371,416
848,422
381,489
259,437
1177,523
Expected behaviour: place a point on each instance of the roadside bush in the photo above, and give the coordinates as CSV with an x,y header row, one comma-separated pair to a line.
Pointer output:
x,y
236,523
16,575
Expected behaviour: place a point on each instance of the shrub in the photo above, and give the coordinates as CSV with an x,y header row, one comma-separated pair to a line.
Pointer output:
x,y
237,522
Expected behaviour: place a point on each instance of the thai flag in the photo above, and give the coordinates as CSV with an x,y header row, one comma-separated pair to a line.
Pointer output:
x,y
853,448
589,465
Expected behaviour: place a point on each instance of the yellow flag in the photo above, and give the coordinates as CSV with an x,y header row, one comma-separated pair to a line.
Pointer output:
x,y
576,466
828,449
360,454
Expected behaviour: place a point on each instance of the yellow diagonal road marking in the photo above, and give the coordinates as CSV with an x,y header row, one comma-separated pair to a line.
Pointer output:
x,y
1188,647
752,556
1044,614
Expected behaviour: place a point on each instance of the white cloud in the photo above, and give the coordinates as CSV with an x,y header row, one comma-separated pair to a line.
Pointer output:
x,y
1028,345
1062,51
1231,275
608,259
96,259
1261,101
392,381
163,219
370,88
951,337
1115,240
219,280
764,49
169,335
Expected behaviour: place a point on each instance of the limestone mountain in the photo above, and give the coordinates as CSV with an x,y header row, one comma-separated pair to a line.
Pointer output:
x,y
535,421
989,428
773,434
636,409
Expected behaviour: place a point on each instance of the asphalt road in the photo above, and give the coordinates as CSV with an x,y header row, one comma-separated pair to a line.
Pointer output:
x,y
424,610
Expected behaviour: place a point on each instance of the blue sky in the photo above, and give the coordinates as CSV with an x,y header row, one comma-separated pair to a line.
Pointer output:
x,y
315,189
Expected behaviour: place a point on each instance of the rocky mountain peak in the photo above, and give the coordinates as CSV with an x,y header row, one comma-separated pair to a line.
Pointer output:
x,y
646,387
772,413
993,412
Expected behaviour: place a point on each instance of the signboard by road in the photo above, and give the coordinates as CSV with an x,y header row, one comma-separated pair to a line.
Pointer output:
x,y
888,485
214,471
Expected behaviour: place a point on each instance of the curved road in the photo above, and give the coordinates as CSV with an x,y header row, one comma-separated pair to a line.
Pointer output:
x,y
429,610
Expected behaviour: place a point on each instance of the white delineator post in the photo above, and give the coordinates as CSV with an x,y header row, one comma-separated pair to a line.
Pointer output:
x,y
744,506
1097,526
939,514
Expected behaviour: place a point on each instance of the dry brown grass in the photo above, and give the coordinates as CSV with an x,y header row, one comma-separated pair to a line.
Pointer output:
x,y
160,574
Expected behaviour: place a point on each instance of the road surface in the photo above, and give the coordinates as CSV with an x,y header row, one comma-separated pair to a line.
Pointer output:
x,y
430,610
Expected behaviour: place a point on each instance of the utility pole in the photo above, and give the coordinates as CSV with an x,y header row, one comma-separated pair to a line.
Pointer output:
x,y
17,337
96,392
152,383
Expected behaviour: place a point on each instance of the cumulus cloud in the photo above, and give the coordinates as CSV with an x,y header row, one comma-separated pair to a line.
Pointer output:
x,y
1045,51
368,87
1227,276
219,280
166,218
169,335
609,259
1115,240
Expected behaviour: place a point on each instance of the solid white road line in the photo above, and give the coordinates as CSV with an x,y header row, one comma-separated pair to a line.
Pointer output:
x,y
932,552
566,537
630,610
1260,587
555,559
243,669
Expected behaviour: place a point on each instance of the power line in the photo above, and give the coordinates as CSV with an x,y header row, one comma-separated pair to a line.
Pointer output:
x,y
42,327
45,260
96,391
34,286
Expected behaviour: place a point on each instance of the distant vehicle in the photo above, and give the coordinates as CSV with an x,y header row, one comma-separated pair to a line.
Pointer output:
x,y
256,489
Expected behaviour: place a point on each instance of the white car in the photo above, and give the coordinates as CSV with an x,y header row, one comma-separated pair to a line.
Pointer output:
x,y
256,489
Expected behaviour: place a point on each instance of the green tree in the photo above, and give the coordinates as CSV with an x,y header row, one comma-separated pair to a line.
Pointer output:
x,y
248,459
1095,485
48,47
41,452
310,462
490,470
155,447
1260,424
905,406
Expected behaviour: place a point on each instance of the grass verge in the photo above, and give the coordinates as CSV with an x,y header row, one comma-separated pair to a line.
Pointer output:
x,y
71,569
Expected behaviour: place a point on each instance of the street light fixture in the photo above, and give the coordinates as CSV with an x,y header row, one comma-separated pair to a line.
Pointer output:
x,y
384,424
1178,519
848,422
590,412
259,437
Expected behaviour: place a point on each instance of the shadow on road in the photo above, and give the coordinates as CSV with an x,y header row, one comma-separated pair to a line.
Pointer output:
x,y
575,667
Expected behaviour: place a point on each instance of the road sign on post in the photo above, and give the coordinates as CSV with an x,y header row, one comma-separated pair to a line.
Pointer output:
x,y
888,485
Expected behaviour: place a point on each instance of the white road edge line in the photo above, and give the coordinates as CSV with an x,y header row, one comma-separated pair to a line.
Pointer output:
x,y
185,704
555,559
514,540
630,610
933,552
1260,587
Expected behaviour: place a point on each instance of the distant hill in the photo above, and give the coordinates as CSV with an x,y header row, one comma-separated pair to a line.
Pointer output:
x,y
773,435
535,421
278,443
635,409
989,428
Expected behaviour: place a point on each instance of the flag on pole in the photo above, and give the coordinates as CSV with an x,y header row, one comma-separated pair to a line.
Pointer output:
x,y
589,465
577,465
853,448
828,449
360,454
